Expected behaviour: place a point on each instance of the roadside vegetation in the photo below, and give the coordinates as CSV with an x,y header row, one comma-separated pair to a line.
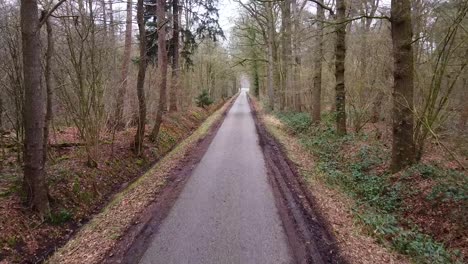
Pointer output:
x,y
92,94
420,211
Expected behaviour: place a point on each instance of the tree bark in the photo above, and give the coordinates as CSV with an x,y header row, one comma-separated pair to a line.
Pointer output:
x,y
174,92
286,50
35,184
162,61
140,134
317,89
48,82
340,53
271,61
403,148
125,65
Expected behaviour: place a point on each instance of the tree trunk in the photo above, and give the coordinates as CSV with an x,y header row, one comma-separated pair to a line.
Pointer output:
x,y
317,89
111,21
340,53
270,39
139,137
403,149
104,16
48,82
35,184
162,61
174,92
286,50
125,65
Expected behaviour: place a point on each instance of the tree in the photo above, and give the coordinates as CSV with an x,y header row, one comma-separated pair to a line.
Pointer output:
x,y
340,53
286,52
125,64
140,134
162,66
35,184
403,149
317,85
175,57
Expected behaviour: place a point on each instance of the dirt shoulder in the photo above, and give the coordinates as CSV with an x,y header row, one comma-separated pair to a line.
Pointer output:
x,y
320,223
109,235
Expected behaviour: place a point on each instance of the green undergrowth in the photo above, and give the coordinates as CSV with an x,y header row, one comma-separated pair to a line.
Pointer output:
x,y
354,165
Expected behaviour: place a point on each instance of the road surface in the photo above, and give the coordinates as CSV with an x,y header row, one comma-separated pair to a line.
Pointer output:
x,y
226,212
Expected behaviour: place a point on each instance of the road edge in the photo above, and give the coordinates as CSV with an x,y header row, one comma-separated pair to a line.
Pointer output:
x,y
309,234
174,173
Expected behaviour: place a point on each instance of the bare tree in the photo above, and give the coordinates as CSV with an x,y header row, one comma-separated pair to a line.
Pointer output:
x,y
162,65
340,53
403,149
35,185
125,65
174,91
317,88
140,134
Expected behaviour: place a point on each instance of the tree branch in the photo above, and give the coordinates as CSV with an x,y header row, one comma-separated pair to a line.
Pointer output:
x,y
46,16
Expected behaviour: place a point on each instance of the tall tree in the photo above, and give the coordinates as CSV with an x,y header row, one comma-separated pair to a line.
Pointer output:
x,y
286,50
125,64
340,54
140,134
162,66
35,185
174,91
403,148
317,88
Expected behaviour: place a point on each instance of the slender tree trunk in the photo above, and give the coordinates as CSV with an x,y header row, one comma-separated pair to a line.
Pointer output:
x,y
111,21
286,50
35,184
340,53
48,82
174,92
162,61
125,65
140,134
104,16
403,149
270,39
317,89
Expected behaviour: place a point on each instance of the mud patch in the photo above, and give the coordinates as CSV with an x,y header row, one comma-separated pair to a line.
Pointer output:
x,y
309,235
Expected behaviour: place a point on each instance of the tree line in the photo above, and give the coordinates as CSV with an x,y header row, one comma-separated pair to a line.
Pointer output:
x,y
364,61
75,63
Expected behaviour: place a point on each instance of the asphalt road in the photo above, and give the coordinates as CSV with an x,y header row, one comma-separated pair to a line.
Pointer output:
x,y
226,212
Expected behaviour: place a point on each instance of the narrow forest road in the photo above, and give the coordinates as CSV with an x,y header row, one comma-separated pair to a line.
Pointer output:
x,y
226,212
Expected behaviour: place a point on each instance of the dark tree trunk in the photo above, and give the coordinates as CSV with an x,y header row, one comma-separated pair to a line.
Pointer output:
x,y
340,53
317,89
35,184
286,50
403,149
140,135
125,65
162,61
174,92
48,82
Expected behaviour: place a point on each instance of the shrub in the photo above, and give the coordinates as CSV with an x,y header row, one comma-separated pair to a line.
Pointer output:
x,y
203,99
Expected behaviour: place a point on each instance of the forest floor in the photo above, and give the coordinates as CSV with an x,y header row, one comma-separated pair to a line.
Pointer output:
x,y
420,212
77,191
